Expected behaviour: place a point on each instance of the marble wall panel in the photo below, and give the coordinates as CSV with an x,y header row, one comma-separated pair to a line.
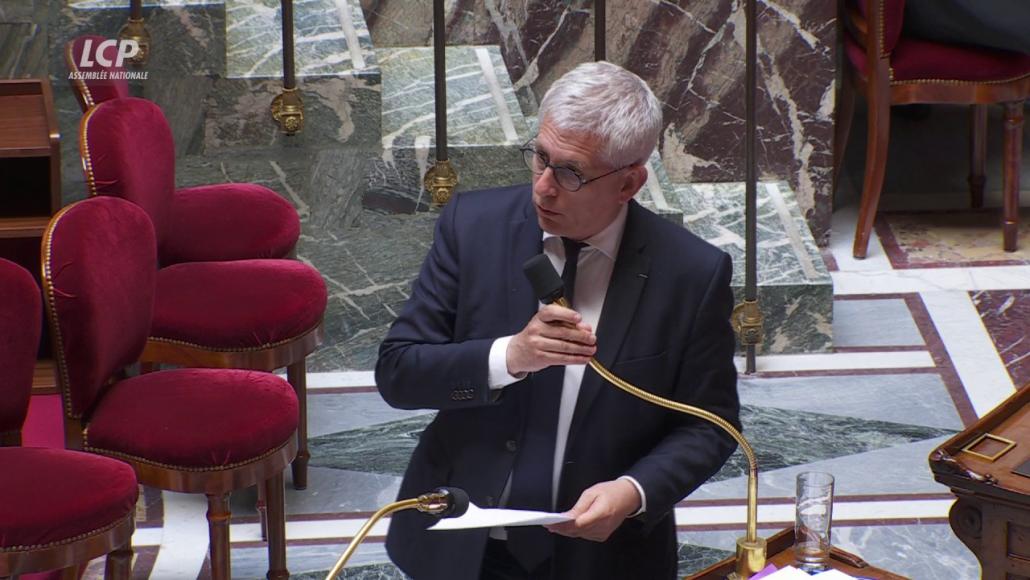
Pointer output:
x,y
691,53
23,50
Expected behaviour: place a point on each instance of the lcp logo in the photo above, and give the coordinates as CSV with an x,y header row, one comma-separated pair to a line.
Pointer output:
x,y
125,49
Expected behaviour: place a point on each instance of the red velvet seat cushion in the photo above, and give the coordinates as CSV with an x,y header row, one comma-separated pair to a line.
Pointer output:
x,y
917,59
49,495
199,418
228,221
241,304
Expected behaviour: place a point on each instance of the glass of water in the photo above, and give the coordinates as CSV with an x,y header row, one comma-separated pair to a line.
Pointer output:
x,y
812,523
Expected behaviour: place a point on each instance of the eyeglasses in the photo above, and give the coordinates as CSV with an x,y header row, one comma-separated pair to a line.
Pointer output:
x,y
568,178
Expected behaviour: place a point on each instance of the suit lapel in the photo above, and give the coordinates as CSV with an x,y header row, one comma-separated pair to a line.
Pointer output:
x,y
629,277
525,240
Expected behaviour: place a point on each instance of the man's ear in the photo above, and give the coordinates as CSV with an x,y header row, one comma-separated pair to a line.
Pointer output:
x,y
635,178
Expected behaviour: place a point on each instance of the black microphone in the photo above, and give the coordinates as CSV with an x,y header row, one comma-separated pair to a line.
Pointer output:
x,y
444,502
547,284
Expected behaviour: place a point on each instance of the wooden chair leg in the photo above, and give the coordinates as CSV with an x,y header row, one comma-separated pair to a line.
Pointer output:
x,y
218,515
296,374
1012,157
119,563
977,154
262,510
875,167
276,528
842,127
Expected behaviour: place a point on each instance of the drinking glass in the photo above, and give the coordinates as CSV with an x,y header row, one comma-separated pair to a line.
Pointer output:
x,y
812,523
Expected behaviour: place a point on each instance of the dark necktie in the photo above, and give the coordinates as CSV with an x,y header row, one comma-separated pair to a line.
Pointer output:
x,y
534,464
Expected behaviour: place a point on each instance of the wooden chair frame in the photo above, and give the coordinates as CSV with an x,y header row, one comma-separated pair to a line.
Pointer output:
x,y
216,482
882,91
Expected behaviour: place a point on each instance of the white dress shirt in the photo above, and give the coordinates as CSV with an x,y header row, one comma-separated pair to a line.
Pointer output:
x,y
594,271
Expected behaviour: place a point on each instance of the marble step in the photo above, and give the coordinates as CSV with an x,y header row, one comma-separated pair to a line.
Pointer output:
x,y
795,291
331,38
485,125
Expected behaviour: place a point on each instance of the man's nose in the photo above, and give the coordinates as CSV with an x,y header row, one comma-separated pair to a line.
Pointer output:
x,y
545,183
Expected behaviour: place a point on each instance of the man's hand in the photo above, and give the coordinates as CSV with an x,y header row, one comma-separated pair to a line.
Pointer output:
x,y
554,336
600,510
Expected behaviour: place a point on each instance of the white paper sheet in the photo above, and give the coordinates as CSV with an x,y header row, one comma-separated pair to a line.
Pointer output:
x,y
788,573
477,517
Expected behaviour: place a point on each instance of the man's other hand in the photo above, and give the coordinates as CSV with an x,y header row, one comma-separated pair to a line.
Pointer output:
x,y
554,336
600,510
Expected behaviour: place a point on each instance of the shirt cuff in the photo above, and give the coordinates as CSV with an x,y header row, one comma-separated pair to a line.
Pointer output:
x,y
640,490
498,376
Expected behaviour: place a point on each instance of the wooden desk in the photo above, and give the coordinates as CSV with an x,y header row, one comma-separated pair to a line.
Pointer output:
x,y
30,184
992,514
780,553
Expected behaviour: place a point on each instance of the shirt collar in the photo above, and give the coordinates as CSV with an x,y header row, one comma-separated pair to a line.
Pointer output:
x,y
607,240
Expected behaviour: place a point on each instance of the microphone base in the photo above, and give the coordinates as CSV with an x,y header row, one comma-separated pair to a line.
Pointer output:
x,y
750,558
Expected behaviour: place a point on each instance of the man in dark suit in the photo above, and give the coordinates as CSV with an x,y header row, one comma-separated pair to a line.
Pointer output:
x,y
522,422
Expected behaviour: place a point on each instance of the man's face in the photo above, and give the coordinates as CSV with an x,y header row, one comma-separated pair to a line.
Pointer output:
x,y
583,213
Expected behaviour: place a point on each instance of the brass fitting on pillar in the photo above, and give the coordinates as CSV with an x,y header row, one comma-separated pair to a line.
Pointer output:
x,y
440,180
288,111
134,30
747,321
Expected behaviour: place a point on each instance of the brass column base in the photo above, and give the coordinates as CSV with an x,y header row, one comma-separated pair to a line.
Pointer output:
x,y
440,180
750,558
288,111
135,30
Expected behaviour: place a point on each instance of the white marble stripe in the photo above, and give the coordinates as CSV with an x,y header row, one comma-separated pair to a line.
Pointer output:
x,y
843,227
791,229
930,280
842,512
422,145
693,516
184,537
503,114
654,187
310,530
147,537
840,361
340,380
696,516
343,8
766,363
970,348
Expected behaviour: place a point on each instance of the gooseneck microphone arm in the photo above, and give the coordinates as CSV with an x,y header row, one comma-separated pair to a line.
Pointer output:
x,y
750,549
444,502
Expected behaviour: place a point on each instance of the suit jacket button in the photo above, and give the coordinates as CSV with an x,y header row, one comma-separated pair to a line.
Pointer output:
x,y
511,445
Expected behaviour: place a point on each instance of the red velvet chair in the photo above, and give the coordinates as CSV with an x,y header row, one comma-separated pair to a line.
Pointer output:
x,y
890,68
226,221
59,509
253,314
203,431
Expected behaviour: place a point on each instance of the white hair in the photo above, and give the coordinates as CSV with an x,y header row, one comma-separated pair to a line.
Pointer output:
x,y
609,102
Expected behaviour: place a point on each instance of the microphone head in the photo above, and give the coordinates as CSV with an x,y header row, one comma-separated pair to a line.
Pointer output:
x,y
547,284
457,501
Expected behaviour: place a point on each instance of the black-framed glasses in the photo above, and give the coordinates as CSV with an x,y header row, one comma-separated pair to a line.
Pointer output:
x,y
568,178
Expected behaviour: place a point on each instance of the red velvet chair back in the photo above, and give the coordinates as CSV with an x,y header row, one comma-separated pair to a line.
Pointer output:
x,y
20,312
99,271
90,91
892,14
128,152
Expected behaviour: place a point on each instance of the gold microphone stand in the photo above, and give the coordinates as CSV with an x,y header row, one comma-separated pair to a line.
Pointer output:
x,y
431,503
750,548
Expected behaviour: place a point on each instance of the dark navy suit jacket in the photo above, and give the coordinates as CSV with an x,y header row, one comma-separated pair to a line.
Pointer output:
x,y
664,327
